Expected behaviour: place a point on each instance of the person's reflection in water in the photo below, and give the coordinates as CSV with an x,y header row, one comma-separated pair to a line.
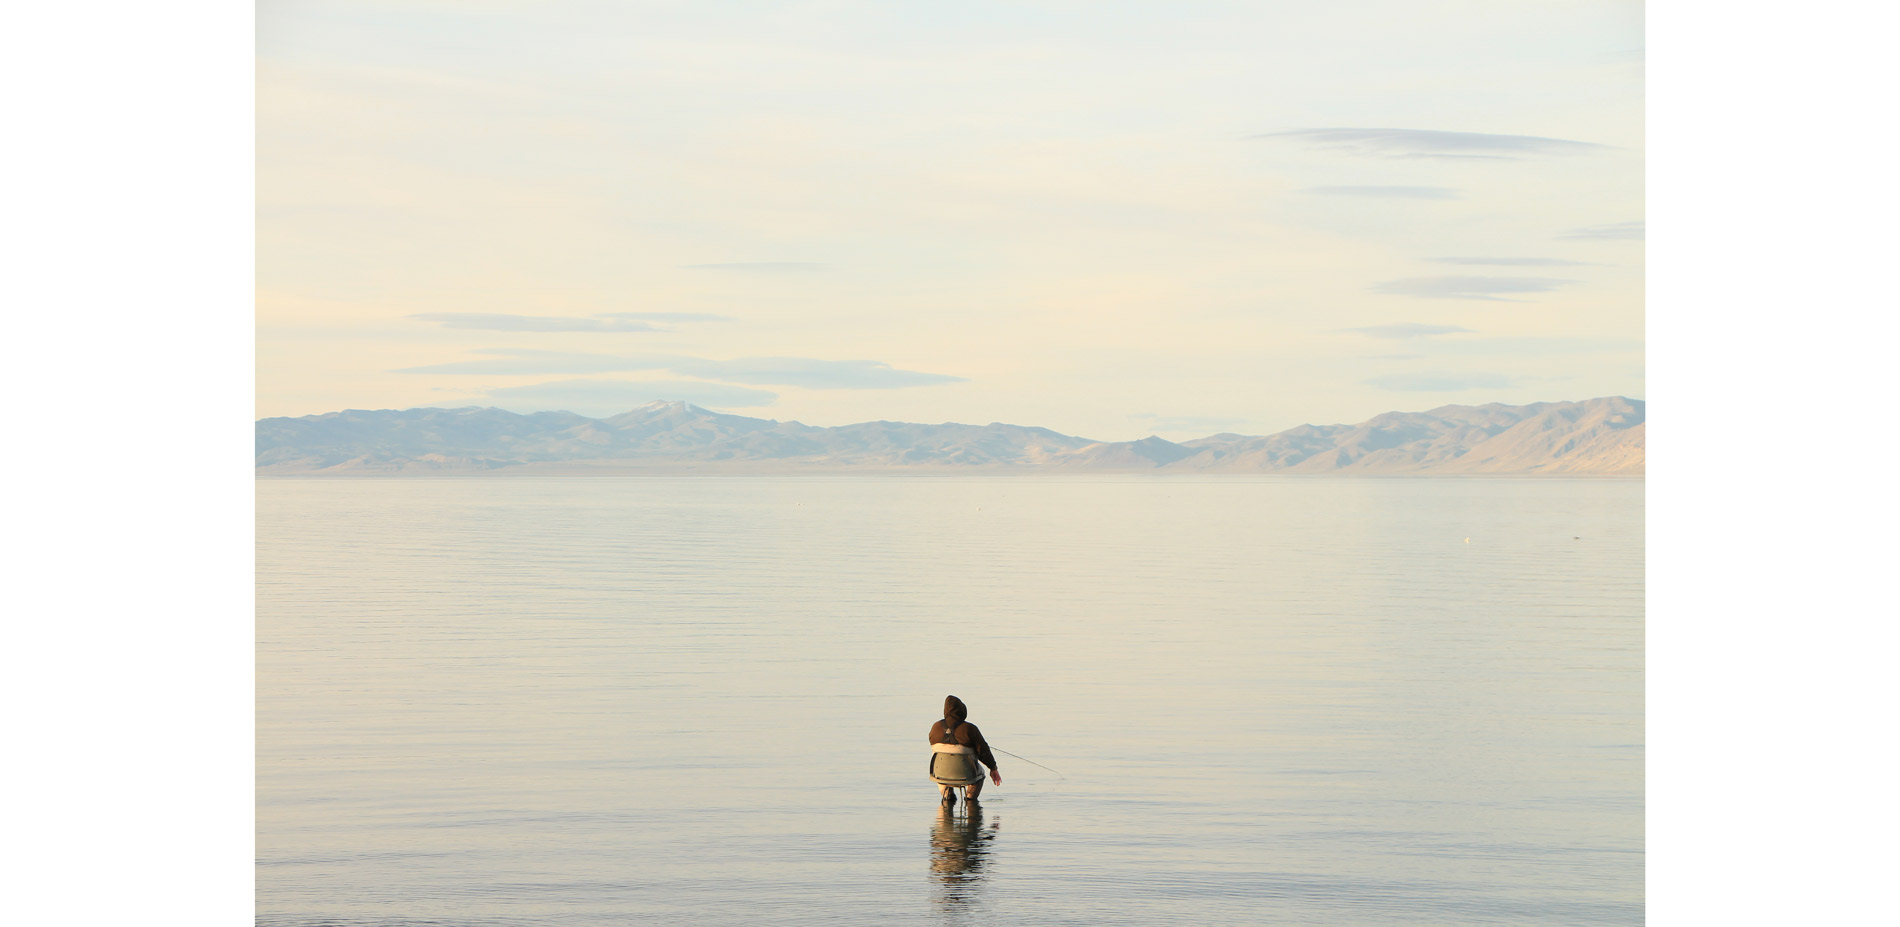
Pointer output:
x,y
960,847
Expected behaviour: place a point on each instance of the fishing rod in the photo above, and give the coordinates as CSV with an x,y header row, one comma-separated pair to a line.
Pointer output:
x,y
1025,759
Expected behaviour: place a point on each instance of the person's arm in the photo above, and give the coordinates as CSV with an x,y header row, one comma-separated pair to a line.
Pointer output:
x,y
983,752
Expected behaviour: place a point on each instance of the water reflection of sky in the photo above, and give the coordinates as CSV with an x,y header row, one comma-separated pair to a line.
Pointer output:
x,y
960,848
530,703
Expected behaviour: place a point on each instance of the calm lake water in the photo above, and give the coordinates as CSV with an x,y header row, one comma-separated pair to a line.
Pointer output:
x,y
1283,700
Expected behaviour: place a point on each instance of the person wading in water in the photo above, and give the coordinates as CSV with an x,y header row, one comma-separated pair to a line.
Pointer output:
x,y
955,747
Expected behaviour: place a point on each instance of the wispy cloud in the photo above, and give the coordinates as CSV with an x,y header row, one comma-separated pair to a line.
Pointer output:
x,y
1403,330
599,398
1615,230
1390,193
1538,346
667,316
1509,262
760,267
1430,143
811,373
502,322
1485,288
1441,382
807,372
517,361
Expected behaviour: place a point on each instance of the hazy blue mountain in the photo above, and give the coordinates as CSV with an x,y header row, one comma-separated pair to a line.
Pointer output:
x,y
1146,454
1593,436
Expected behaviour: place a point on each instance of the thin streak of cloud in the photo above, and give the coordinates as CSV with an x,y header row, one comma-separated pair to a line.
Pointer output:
x,y
1509,262
811,373
760,267
668,316
1391,193
502,322
1620,231
1441,382
523,361
1405,330
1430,143
1538,346
1483,288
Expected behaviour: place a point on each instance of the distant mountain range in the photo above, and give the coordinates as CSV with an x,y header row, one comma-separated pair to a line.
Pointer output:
x,y
1595,436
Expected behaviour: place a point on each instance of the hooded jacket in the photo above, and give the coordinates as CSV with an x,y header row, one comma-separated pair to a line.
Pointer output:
x,y
953,729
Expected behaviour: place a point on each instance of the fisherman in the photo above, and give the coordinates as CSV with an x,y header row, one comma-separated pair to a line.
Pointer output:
x,y
955,747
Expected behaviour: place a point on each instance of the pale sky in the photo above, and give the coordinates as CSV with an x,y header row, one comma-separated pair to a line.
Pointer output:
x,y
1108,219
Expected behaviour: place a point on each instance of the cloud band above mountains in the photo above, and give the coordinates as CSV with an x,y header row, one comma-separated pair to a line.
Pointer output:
x,y
1615,231
810,373
526,361
1405,330
1508,262
1388,193
1430,143
1483,288
604,322
759,267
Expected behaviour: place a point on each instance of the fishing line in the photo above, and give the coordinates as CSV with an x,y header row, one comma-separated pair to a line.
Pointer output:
x,y
1025,759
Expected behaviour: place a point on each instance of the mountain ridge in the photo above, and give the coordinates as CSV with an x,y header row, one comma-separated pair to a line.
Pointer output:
x,y
1603,436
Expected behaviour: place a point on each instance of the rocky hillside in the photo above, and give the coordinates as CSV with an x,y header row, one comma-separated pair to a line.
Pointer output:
x,y
1594,436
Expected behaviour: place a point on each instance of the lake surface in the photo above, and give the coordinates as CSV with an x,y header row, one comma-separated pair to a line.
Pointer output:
x,y
1310,701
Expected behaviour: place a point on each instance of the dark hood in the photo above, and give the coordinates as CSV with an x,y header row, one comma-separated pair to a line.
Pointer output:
x,y
954,711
